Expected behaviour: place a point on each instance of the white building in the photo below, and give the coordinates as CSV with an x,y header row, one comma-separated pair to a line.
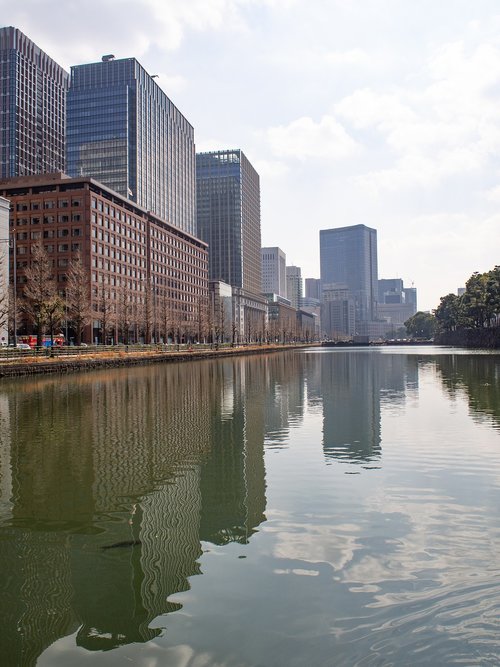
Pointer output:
x,y
294,285
273,271
337,312
4,268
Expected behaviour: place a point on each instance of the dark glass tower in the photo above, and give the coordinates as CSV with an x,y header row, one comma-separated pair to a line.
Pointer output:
x,y
33,108
228,215
348,256
126,133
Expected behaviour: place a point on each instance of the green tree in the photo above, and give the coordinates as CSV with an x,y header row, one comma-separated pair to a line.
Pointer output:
x,y
476,307
421,325
449,313
493,291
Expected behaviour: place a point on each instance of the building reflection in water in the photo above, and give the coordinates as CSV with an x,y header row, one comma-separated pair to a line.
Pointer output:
x,y
352,387
109,482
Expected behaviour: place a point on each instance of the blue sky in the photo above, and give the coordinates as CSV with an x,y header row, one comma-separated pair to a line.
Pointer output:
x,y
381,112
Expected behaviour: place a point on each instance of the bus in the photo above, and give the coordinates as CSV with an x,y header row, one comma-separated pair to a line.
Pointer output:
x,y
46,341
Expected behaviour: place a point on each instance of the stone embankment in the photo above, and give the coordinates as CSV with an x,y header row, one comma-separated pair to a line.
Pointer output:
x,y
94,359
486,339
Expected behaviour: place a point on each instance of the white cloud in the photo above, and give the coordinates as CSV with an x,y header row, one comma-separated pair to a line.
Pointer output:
x,y
493,194
351,57
303,139
271,169
393,99
317,59
447,126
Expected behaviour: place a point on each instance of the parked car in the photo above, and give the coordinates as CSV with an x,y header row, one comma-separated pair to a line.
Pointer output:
x,y
23,346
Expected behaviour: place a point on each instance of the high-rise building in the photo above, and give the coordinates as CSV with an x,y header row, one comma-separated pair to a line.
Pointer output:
x,y
273,271
390,290
348,255
146,278
228,216
294,285
410,294
313,288
228,219
126,133
337,312
33,109
396,303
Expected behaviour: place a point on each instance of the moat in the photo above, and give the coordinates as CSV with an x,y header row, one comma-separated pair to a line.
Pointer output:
x,y
311,507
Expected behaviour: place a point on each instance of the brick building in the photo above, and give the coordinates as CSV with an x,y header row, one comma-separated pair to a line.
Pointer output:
x,y
147,279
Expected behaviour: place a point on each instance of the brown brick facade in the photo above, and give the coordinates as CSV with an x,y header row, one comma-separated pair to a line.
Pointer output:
x,y
135,260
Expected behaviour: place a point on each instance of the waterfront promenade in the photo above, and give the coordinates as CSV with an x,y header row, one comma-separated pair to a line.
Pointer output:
x,y
73,359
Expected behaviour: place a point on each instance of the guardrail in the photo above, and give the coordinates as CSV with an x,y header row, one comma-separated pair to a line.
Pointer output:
x,y
10,353
15,354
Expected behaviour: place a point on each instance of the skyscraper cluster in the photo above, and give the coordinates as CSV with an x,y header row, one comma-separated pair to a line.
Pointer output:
x,y
100,162
354,301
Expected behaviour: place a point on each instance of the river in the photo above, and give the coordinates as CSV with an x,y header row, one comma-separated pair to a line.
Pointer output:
x,y
312,508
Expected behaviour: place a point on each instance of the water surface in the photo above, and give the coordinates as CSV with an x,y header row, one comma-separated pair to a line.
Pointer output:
x,y
322,507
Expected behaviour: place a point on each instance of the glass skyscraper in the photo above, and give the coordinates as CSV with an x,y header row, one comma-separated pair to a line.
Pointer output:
x,y
228,215
348,256
33,109
126,133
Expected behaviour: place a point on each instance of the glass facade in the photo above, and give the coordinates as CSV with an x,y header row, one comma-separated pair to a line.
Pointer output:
x,y
228,217
126,133
348,256
33,112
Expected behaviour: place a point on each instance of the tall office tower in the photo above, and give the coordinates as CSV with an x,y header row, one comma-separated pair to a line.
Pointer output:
x,y
348,255
273,271
33,108
228,216
294,285
337,312
410,294
126,133
313,288
391,290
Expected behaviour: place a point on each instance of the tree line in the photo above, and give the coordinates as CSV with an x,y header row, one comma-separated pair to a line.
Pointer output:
x,y
477,308
44,307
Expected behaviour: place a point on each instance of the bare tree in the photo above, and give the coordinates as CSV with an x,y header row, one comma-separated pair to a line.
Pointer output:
x,y
164,316
78,296
39,291
204,319
54,315
146,312
106,312
4,294
124,312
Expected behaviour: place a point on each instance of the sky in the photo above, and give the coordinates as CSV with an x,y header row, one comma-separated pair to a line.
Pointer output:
x,y
377,112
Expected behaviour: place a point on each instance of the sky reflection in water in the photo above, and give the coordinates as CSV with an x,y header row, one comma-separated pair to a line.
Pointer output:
x,y
341,507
